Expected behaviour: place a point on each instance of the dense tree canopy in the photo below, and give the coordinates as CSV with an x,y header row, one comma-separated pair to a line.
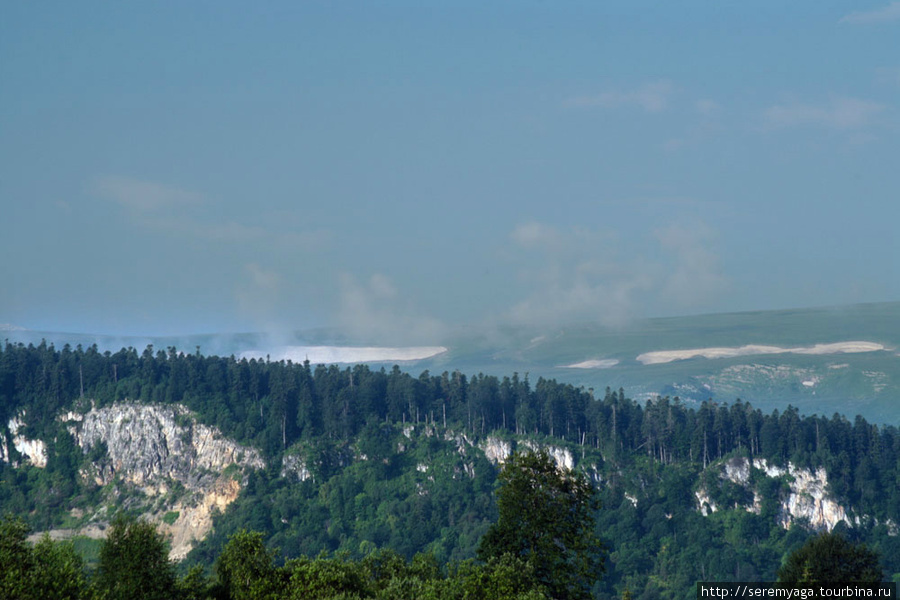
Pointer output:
x,y
131,567
246,568
46,571
831,558
134,562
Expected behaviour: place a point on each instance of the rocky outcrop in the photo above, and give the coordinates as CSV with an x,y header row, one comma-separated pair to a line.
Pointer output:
x,y
149,444
463,443
294,467
707,505
496,450
562,456
807,499
163,452
194,515
34,452
737,470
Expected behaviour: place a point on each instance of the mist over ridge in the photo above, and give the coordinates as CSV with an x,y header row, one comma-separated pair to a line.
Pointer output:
x,y
822,360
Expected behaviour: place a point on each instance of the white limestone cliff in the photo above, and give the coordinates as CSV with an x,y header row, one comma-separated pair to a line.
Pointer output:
x,y
34,452
160,449
806,501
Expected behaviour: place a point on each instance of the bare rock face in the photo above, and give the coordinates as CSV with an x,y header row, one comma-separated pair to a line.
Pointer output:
x,y
737,470
147,444
707,505
162,451
194,516
807,500
496,450
463,443
34,452
293,466
562,456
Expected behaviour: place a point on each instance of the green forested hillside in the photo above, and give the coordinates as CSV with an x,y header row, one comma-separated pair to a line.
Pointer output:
x,y
397,461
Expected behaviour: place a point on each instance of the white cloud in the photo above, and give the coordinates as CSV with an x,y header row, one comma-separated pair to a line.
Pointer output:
x,y
707,107
142,196
232,232
263,279
706,126
305,240
259,293
606,300
652,97
381,287
162,208
890,76
674,144
533,234
376,310
694,273
588,278
227,232
891,12
840,113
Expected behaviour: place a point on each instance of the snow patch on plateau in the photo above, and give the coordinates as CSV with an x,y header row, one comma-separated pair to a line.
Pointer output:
x,y
605,363
666,356
345,354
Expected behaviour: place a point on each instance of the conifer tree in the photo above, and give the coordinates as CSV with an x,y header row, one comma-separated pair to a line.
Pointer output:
x,y
546,517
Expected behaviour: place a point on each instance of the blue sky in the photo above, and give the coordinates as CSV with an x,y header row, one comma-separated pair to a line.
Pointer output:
x,y
173,168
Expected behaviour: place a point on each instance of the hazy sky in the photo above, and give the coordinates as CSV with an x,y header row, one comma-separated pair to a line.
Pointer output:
x,y
189,167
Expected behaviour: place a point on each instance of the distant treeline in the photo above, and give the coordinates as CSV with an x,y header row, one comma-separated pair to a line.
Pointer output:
x,y
271,405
